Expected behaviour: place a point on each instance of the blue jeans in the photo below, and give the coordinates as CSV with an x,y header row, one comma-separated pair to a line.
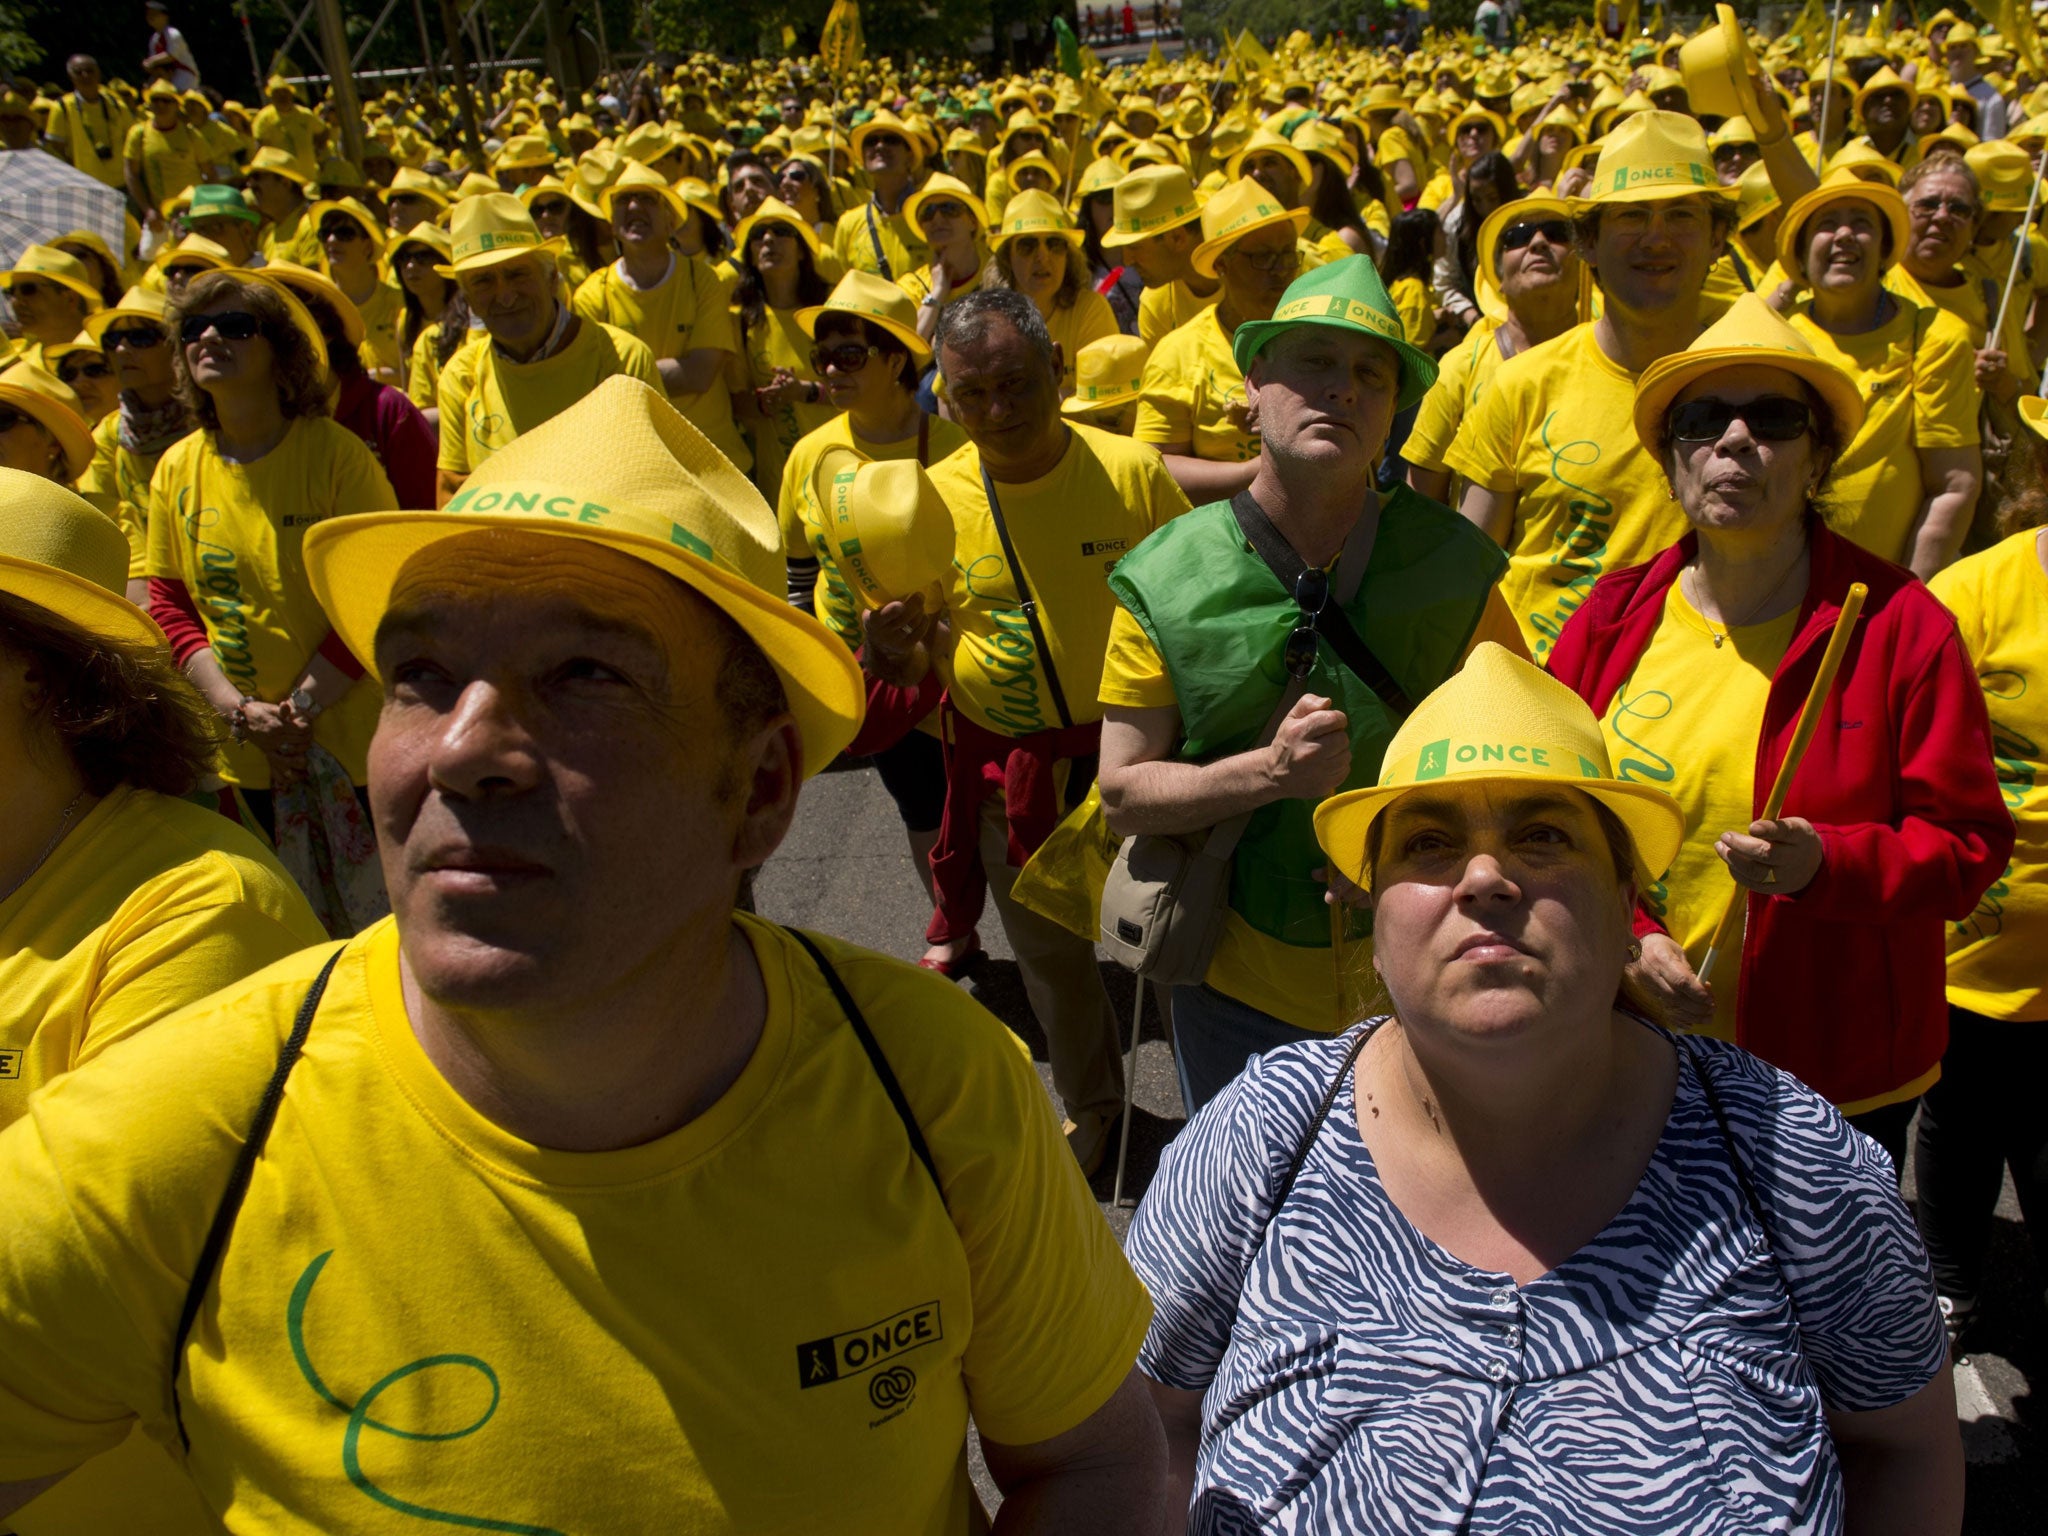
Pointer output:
x,y
1214,1036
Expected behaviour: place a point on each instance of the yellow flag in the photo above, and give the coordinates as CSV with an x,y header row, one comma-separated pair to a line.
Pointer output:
x,y
1875,31
788,38
840,45
1657,26
1252,51
1155,59
1631,19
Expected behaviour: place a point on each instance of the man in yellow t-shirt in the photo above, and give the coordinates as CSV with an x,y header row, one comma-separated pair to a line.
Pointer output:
x,y
567,1108
353,242
284,124
1025,659
89,129
875,236
539,356
1155,226
279,187
674,303
162,155
1557,477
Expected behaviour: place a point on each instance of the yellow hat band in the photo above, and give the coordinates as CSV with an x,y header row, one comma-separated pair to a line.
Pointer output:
x,y
1107,391
1453,756
493,240
1139,224
1336,307
539,499
1628,178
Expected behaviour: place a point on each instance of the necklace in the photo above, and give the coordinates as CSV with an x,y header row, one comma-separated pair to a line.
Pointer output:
x,y
56,837
1721,635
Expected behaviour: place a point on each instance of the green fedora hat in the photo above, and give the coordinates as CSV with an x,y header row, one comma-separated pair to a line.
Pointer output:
x,y
1349,295
211,200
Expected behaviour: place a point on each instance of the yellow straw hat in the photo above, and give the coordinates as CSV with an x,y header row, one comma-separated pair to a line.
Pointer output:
x,y
1149,200
1501,720
282,162
138,303
1845,186
372,227
1265,141
1756,195
1652,157
1716,66
63,554
1035,213
938,189
493,228
623,469
1750,335
866,296
774,210
1235,212
39,393
2005,173
1106,373
891,531
48,264
302,283
634,176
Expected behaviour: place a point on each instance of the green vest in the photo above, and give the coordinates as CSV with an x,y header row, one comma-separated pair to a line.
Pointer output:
x,y
1220,620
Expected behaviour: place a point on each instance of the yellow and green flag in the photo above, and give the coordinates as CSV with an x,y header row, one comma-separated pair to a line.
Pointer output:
x,y
840,45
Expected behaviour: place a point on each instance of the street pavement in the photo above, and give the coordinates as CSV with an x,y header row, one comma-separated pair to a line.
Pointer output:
x,y
845,869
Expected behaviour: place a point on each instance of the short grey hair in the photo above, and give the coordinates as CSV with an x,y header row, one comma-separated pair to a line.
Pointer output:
x,y
964,322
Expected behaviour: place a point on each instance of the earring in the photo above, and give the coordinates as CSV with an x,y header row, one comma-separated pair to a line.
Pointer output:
x,y
1635,950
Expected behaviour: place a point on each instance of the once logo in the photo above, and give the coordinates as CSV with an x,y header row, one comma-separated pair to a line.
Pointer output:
x,y
10,1064
860,1350
892,1388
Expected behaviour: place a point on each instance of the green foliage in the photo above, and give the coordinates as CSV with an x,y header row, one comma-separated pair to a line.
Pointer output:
x,y
897,28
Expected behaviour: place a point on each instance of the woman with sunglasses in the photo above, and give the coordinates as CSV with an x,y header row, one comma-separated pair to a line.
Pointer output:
x,y
1698,663
557,216
801,183
1038,253
353,240
954,224
84,369
775,392
229,506
435,321
148,418
1908,480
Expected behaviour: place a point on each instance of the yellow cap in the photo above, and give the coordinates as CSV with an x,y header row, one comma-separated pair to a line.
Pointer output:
x,y
1235,212
1845,186
50,265
39,393
891,532
876,300
1035,213
1501,720
623,469
1653,157
1149,200
63,554
1107,373
1750,335
490,229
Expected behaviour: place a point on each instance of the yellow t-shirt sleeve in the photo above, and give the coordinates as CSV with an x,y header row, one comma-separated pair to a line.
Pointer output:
x,y
638,359
1166,402
1411,301
1945,393
712,327
1497,623
420,386
1484,449
1133,671
1436,420
456,382
159,537
1164,495
360,484
1095,321
589,299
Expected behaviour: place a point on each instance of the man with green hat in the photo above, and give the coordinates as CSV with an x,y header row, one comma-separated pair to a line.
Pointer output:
x,y
224,216
1267,648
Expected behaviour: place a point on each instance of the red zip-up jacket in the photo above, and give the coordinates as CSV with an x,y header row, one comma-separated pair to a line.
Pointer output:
x,y
1842,983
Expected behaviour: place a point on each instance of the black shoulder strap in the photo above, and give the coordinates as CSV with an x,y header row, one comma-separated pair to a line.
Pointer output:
x,y
875,238
876,1059
238,1180
1052,677
1332,624
1315,1126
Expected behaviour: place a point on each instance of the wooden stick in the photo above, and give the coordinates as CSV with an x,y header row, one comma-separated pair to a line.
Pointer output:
x,y
2019,251
1827,91
1809,717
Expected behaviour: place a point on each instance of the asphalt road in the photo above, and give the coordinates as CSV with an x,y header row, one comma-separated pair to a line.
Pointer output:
x,y
846,870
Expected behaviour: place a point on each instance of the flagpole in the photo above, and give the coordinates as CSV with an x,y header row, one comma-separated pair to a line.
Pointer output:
x,y
2019,248
1827,94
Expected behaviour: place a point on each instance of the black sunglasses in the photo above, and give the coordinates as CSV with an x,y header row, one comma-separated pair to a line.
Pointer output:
x,y
1311,595
229,324
137,338
1515,236
92,368
342,229
1770,418
885,141
941,208
845,357
9,420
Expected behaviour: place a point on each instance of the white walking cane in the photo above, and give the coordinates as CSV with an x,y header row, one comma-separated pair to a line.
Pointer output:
x,y
2019,251
1827,93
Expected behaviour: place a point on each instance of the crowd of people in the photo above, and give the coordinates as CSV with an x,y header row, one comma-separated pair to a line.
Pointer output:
x,y
1509,584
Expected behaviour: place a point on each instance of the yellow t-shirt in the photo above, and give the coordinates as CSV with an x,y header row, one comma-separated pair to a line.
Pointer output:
x,y
487,400
1192,393
686,312
381,313
423,374
232,533
1916,374
1998,955
1557,427
1462,375
918,284
117,481
1687,721
170,162
92,135
1161,310
1070,529
550,1315
1394,145
1416,306
890,246
295,237
1968,302
1284,980
291,128
1073,326
1436,192
779,342
803,516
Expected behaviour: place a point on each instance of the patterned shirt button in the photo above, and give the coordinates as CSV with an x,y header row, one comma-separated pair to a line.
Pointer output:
x,y
1497,1370
1504,1297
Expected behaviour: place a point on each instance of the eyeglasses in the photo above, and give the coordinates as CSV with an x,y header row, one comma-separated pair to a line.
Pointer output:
x,y
796,176
845,357
1311,595
342,229
28,288
137,338
9,420
1770,418
940,208
1515,236
91,368
549,206
1929,207
1267,261
229,325
885,141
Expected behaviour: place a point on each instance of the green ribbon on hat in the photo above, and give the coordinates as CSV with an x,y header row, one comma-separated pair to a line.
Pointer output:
x,y
1348,295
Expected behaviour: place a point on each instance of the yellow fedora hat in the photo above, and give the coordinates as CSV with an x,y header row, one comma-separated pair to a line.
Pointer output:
x,y
886,121
1845,186
409,182
1035,213
2005,173
1501,720
1861,158
1235,212
282,162
1267,142
1652,157
46,263
865,296
193,251
138,303
1756,195
2034,413
940,188
372,227
432,236
63,554
774,210
523,151
1716,66
623,469
635,176
1886,79
1750,335
1107,373
1538,208
41,394
890,530
492,228
1149,200
303,283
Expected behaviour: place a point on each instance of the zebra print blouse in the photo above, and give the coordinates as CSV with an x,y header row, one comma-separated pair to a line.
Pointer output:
x,y
1671,1377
